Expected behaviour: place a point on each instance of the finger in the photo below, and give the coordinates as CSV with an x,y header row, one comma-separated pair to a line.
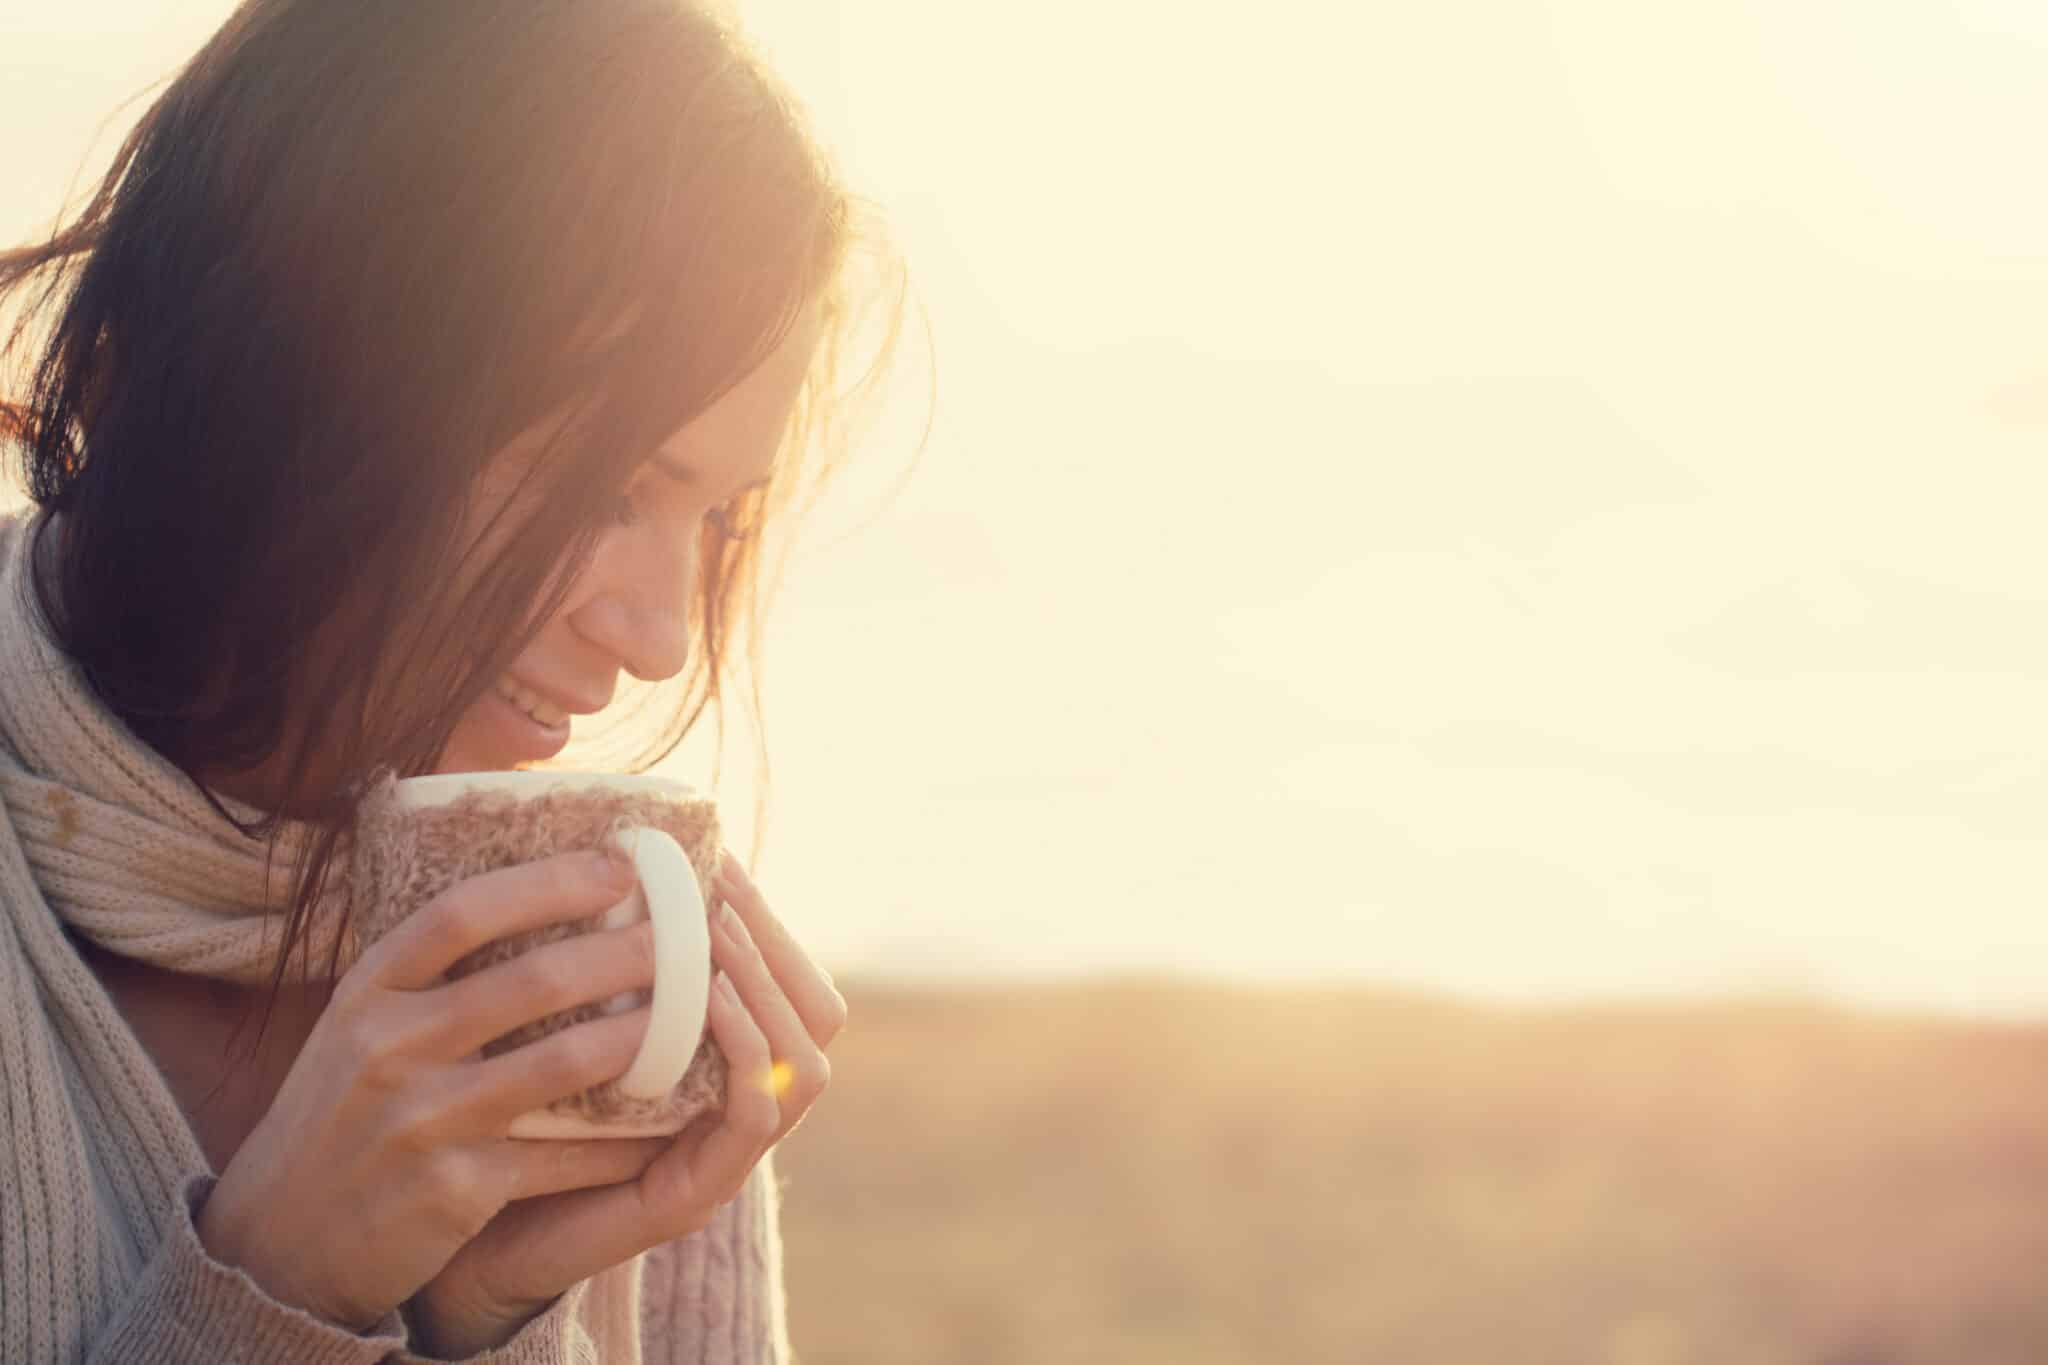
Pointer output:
x,y
799,1065
491,1092
595,965
708,1173
507,900
551,1167
808,986
685,1185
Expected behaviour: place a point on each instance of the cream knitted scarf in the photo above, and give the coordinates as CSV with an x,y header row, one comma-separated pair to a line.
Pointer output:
x,y
105,837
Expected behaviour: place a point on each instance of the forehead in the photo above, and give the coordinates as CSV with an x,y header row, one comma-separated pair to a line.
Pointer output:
x,y
727,446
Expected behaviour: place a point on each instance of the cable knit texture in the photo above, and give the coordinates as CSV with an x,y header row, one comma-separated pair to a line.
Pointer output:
x,y
102,1176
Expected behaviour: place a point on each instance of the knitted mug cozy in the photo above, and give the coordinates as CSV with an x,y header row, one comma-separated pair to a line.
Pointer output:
x,y
403,858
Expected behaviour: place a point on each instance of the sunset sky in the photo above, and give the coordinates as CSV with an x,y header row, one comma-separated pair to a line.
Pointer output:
x,y
1533,499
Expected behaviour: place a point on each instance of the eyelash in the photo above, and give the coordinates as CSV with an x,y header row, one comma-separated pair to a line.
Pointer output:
x,y
624,514
622,509
717,517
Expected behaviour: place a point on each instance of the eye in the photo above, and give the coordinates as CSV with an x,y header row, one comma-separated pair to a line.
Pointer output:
x,y
624,511
739,518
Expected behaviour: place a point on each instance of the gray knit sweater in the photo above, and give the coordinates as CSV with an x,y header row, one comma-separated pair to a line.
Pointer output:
x,y
101,1175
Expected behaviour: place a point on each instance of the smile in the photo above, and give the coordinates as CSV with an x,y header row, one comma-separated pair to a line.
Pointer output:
x,y
530,703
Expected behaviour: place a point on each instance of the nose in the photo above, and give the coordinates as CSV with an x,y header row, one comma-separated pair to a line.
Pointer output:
x,y
640,611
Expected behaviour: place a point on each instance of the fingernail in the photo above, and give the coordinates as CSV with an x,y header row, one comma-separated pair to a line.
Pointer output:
x,y
725,988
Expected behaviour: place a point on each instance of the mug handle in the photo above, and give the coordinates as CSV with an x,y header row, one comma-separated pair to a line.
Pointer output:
x,y
682,963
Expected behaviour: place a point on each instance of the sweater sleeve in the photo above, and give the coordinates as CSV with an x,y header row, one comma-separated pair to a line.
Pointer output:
x,y
551,1338
189,1309
716,1296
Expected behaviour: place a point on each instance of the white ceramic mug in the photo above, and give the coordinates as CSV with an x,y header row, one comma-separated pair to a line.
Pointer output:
x,y
431,831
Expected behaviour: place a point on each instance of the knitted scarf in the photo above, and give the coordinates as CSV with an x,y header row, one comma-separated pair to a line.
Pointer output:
x,y
104,836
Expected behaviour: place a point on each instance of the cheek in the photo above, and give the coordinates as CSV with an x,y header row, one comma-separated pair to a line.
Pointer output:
x,y
465,743
551,636
585,582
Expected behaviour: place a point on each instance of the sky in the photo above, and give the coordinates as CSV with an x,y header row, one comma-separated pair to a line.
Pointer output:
x,y
1535,500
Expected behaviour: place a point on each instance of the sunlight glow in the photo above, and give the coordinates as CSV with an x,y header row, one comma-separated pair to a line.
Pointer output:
x,y
1546,516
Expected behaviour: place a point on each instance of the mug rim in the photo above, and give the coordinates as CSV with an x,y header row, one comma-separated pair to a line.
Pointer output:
x,y
435,789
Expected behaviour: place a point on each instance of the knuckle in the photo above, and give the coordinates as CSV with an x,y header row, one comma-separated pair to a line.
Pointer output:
x,y
537,977
584,1054
417,1127
559,877
381,1075
457,916
447,1171
751,1049
590,1052
627,954
812,1075
558,1064
569,878
762,1114
377,1066
452,1192
835,1011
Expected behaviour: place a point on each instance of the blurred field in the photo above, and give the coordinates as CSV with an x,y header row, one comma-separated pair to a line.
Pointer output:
x,y
1148,1173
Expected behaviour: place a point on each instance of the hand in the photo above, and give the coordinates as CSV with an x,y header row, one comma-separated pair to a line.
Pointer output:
x,y
385,1148
773,1035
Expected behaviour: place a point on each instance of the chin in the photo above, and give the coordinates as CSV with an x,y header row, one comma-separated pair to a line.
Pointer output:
x,y
465,755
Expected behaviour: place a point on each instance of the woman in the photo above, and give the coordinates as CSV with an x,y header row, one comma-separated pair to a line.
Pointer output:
x,y
416,370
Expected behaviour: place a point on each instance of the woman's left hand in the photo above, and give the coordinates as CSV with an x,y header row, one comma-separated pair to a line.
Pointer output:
x,y
774,1039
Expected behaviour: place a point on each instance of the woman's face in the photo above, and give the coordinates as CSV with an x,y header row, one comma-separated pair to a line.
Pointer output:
x,y
629,609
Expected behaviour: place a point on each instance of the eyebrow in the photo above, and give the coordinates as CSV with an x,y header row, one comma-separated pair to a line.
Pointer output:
x,y
682,473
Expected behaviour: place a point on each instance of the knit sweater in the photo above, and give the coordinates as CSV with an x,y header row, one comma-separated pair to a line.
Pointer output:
x,y
102,1175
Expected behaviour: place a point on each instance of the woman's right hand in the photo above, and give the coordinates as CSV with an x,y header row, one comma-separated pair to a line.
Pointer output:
x,y
385,1148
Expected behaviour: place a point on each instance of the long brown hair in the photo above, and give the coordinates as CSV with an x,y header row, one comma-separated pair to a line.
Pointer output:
x,y
346,255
